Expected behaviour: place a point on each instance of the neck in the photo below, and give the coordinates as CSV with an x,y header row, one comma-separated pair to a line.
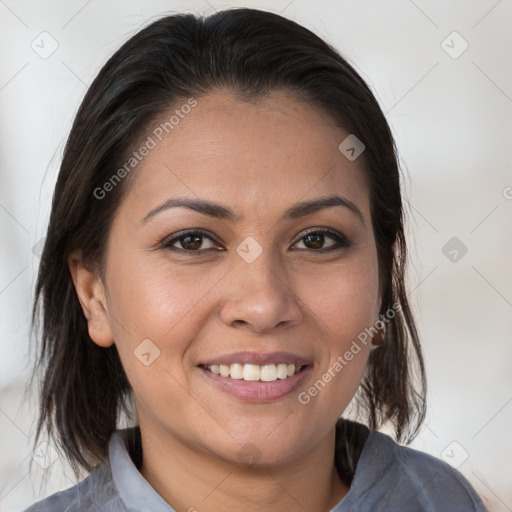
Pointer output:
x,y
189,479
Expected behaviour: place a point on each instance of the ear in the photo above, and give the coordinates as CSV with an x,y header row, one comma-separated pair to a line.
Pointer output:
x,y
91,295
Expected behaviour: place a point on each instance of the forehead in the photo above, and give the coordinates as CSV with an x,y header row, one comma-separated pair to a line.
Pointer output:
x,y
270,152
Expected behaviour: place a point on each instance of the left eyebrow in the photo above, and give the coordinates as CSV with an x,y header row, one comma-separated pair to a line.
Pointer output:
x,y
306,208
220,211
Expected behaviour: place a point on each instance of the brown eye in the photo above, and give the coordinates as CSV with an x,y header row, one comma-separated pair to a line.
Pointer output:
x,y
314,240
191,242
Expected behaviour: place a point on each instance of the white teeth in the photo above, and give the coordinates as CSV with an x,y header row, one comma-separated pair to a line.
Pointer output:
x,y
236,371
254,372
269,373
282,371
251,372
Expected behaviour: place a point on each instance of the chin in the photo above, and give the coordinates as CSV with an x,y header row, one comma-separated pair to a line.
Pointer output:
x,y
261,443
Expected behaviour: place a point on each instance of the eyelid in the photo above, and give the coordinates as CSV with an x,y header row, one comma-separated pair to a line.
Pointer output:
x,y
341,240
167,242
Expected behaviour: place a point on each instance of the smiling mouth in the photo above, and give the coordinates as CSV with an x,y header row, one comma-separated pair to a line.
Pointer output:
x,y
254,372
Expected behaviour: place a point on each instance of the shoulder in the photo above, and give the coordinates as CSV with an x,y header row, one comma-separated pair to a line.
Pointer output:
x,y
95,492
391,477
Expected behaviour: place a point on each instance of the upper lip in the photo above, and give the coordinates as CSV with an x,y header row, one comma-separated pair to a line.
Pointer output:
x,y
257,358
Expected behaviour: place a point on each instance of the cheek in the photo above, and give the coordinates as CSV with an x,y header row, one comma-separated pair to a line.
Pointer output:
x,y
165,305
346,299
346,304
149,298
154,318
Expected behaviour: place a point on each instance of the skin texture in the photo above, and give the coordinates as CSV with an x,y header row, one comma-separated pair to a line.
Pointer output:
x,y
258,159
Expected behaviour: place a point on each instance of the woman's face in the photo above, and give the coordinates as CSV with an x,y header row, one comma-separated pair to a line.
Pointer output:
x,y
253,288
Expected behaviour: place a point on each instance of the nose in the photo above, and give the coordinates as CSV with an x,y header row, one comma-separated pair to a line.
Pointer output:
x,y
259,296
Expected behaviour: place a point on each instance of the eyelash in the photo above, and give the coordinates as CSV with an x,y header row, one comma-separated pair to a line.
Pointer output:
x,y
342,242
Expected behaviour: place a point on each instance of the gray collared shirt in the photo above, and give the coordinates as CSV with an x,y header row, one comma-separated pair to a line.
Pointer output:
x,y
388,478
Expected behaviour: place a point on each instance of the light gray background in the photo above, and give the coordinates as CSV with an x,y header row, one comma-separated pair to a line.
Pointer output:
x,y
452,122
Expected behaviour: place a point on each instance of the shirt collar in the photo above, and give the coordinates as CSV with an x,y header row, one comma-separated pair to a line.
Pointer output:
x,y
133,488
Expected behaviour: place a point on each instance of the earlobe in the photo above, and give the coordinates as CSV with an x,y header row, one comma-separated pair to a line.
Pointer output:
x,y
90,291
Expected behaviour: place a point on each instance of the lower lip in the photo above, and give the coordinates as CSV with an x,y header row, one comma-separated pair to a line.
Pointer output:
x,y
258,391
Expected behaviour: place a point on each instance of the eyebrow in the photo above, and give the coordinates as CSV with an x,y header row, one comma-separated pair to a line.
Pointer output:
x,y
219,211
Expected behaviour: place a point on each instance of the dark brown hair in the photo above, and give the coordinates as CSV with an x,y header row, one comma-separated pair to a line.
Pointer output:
x,y
84,388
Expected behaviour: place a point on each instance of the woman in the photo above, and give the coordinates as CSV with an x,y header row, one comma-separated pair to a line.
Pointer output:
x,y
226,254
